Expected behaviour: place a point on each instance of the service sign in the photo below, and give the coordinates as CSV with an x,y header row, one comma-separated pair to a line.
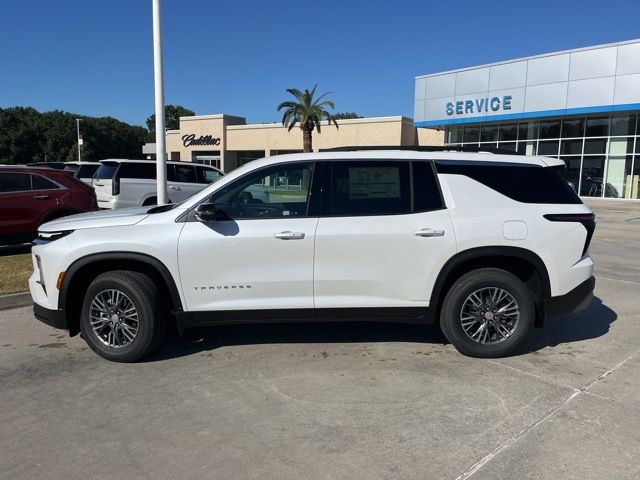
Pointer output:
x,y
478,105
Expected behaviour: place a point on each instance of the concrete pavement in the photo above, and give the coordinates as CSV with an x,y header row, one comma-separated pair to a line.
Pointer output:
x,y
337,401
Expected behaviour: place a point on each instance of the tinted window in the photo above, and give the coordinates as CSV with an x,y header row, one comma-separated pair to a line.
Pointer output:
x,y
185,173
107,170
41,183
426,193
138,170
370,188
86,171
207,175
14,182
71,167
523,183
279,191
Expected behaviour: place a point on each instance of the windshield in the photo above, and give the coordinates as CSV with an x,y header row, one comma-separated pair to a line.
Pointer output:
x,y
107,170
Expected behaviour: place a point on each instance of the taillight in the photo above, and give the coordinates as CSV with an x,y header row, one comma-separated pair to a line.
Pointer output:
x,y
115,186
588,221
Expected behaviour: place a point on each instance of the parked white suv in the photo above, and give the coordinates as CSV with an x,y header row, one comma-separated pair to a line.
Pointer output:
x,y
486,245
123,183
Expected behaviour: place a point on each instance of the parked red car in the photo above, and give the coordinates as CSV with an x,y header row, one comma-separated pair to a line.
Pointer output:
x,y
31,196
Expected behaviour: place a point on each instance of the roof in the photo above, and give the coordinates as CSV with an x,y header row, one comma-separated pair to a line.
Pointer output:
x,y
410,155
531,57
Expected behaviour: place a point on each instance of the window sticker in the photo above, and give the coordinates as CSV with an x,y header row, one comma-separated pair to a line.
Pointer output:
x,y
374,182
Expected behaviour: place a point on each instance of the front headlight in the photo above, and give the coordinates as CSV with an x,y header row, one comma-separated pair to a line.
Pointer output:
x,y
47,237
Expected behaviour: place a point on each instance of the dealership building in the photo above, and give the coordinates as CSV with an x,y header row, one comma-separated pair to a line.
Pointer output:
x,y
579,105
227,141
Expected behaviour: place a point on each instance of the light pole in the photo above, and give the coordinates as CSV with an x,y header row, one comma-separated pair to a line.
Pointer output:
x,y
161,156
78,120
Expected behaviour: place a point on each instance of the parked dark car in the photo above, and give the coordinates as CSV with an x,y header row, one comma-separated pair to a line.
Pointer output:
x,y
31,196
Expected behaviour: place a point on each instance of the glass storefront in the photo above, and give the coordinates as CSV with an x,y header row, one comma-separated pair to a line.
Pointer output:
x,y
602,152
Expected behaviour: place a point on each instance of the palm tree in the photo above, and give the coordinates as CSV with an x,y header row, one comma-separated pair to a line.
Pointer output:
x,y
307,112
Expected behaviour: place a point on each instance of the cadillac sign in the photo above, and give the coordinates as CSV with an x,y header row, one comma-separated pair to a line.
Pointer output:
x,y
190,140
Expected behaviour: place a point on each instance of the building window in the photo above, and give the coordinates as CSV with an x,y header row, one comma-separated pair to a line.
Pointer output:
x,y
245,156
602,153
207,158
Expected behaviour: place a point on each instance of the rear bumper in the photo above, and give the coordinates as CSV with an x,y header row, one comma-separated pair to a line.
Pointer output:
x,y
53,318
576,300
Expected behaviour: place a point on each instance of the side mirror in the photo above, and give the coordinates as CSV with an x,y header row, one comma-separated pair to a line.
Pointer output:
x,y
205,212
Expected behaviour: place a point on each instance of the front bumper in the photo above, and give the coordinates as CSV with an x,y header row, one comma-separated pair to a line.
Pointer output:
x,y
576,300
53,318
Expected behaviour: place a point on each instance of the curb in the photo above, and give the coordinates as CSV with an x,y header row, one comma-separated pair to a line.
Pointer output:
x,y
15,300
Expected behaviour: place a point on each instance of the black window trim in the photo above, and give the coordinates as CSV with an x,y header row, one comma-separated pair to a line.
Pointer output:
x,y
320,192
485,163
314,163
327,209
58,185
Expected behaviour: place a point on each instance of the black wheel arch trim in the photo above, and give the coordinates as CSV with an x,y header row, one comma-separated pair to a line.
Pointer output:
x,y
480,252
116,255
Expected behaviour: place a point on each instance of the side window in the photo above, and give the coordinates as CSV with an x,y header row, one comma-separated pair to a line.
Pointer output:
x,y
370,188
137,170
86,171
14,182
426,193
41,183
278,191
526,183
171,172
207,175
185,173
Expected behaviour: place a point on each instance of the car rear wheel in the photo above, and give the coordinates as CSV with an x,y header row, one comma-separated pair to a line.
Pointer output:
x,y
123,316
487,313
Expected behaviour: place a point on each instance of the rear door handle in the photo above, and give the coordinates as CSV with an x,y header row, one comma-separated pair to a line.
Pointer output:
x,y
289,235
40,197
175,188
429,232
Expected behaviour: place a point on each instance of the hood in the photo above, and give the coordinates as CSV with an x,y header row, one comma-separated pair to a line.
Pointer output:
x,y
104,218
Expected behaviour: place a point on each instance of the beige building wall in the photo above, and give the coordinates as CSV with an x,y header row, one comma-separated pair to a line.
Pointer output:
x,y
234,137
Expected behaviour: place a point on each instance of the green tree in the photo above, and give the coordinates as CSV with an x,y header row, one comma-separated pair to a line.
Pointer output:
x,y
346,115
308,113
172,114
27,135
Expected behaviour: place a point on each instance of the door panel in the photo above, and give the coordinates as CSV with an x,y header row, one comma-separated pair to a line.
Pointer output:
x,y
386,236
231,265
380,261
258,253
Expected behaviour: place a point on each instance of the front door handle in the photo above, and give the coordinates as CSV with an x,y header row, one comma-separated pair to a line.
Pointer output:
x,y
175,188
40,197
289,235
429,232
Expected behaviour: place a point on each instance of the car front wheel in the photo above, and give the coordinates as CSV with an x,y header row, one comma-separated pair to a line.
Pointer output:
x,y
487,313
123,318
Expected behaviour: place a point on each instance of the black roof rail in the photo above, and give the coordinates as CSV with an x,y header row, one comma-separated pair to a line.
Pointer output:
x,y
422,148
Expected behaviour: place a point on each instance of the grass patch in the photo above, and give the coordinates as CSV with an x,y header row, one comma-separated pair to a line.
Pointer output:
x,y
15,271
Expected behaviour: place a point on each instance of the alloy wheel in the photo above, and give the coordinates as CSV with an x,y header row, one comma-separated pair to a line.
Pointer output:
x,y
114,318
489,315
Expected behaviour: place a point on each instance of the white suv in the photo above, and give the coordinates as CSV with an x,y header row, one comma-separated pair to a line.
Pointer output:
x,y
485,245
123,183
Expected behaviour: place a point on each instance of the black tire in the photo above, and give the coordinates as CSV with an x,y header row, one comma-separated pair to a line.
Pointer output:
x,y
151,315
150,201
451,313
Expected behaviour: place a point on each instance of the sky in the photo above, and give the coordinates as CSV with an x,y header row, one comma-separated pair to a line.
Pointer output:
x,y
238,57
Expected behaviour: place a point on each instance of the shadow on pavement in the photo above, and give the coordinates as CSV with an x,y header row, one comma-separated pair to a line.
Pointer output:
x,y
590,323
593,322
6,250
209,338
